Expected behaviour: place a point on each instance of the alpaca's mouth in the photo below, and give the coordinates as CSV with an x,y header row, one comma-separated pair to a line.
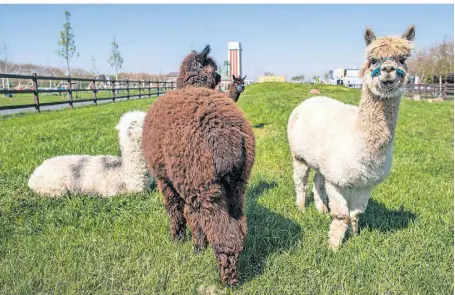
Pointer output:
x,y
389,83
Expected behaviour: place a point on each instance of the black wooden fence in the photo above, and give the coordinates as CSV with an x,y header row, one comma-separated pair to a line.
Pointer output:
x,y
141,89
444,90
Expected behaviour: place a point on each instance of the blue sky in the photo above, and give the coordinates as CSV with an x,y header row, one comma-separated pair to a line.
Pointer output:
x,y
283,39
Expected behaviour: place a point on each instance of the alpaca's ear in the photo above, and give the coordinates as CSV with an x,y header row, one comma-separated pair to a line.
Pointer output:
x,y
369,36
244,78
233,77
201,57
410,33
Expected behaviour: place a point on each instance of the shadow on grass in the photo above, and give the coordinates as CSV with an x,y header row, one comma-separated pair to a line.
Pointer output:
x,y
269,233
260,125
378,217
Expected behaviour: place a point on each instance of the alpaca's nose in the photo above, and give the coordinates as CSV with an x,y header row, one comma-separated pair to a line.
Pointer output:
x,y
388,68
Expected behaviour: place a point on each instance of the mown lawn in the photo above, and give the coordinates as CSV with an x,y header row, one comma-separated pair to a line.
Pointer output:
x,y
86,245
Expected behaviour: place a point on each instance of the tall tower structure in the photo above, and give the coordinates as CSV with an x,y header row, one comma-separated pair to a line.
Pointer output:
x,y
235,59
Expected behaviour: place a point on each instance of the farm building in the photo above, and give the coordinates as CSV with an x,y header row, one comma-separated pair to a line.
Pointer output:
x,y
172,77
347,76
262,79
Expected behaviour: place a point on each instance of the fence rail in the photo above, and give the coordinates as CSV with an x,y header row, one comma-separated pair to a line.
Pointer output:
x,y
422,90
430,90
141,88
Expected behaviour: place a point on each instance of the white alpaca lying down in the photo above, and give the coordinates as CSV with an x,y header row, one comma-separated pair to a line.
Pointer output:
x,y
98,175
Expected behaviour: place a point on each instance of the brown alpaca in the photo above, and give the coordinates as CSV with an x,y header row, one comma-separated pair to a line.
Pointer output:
x,y
200,149
237,87
198,69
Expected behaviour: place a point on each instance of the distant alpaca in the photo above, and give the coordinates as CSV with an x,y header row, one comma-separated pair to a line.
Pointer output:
x,y
98,175
237,87
200,148
351,147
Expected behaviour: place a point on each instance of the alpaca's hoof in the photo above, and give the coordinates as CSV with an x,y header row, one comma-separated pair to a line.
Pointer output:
x,y
301,203
352,232
180,237
334,246
321,207
199,249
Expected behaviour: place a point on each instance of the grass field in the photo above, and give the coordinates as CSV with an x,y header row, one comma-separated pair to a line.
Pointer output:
x,y
27,98
87,245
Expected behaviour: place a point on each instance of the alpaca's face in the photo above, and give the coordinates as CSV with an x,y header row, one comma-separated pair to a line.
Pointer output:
x,y
385,71
130,127
238,83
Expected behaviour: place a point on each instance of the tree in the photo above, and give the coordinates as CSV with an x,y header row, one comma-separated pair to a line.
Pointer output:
x,y
220,70
4,51
67,43
326,77
93,70
298,78
437,60
316,79
115,60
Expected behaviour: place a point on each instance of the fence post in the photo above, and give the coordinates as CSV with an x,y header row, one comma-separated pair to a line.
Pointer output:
x,y
127,89
35,92
139,84
94,92
113,90
165,86
157,89
70,92
150,91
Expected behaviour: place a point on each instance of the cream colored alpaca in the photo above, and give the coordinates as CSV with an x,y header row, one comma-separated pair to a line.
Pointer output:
x,y
351,147
98,175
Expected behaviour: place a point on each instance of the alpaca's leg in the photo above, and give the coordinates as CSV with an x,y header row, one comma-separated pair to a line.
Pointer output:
x,y
340,214
301,171
236,192
198,235
224,233
174,205
319,193
357,205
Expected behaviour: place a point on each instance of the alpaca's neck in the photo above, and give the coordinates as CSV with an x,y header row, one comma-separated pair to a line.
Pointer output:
x,y
377,120
233,93
133,163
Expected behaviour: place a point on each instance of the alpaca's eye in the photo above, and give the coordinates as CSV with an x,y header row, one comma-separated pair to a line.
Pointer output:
x,y
374,62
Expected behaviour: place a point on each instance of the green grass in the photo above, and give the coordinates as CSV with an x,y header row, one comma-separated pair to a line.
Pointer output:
x,y
87,245
27,98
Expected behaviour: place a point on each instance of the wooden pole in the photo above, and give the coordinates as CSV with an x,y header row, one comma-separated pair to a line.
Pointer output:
x,y
127,89
70,92
35,92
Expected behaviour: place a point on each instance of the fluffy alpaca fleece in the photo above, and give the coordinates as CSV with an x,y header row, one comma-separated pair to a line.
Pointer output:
x,y
350,147
200,148
198,69
98,175
237,87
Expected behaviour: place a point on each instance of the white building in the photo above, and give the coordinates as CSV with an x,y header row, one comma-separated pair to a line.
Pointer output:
x,y
349,77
